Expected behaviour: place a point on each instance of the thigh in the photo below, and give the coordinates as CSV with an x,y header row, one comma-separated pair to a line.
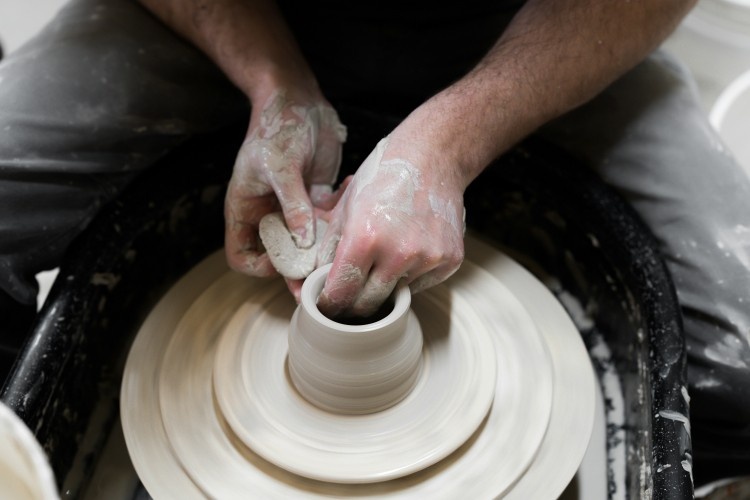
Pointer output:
x,y
100,93
648,138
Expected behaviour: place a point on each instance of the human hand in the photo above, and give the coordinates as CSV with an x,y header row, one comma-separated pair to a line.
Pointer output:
x,y
292,145
397,220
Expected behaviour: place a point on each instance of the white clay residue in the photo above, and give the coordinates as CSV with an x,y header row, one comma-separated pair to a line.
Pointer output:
x,y
447,210
286,137
685,394
369,168
288,259
107,279
327,251
687,464
349,274
677,417
581,317
399,193
609,379
707,383
645,472
394,185
727,350
663,468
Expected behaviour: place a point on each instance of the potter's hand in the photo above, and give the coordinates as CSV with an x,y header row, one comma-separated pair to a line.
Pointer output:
x,y
397,220
291,145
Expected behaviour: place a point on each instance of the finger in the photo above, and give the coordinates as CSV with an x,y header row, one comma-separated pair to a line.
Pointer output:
x,y
432,278
374,294
326,163
239,248
320,214
241,233
320,193
344,282
327,201
330,241
296,205
295,287
384,275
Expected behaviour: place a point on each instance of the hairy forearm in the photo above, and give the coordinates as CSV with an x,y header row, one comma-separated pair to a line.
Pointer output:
x,y
248,40
555,55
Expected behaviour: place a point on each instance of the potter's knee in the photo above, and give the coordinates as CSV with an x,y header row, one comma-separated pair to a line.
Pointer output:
x,y
659,80
664,61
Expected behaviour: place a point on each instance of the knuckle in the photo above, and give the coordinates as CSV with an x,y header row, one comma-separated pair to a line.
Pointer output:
x,y
433,257
297,211
456,258
355,245
234,262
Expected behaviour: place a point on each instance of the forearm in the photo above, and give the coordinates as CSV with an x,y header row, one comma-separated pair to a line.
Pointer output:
x,y
248,40
555,55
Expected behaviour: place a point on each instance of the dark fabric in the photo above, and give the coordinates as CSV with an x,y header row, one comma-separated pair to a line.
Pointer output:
x,y
647,136
15,320
99,94
393,55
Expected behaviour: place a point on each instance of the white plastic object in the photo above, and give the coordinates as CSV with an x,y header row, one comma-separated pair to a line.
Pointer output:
x,y
25,473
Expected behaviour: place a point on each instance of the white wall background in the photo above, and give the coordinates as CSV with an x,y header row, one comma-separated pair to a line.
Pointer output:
x,y
20,19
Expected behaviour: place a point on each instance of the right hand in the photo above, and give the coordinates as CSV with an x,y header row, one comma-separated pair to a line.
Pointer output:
x,y
289,159
400,218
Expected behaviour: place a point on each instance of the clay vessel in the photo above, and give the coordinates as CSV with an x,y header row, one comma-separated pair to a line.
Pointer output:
x,y
348,368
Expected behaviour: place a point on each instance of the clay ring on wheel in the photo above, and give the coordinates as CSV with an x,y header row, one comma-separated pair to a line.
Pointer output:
x,y
448,398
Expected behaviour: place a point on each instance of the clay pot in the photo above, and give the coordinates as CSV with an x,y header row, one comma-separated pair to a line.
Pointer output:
x,y
353,369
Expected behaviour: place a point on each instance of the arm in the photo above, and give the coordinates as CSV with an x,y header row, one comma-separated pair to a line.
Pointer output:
x,y
248,40
293,143
554,56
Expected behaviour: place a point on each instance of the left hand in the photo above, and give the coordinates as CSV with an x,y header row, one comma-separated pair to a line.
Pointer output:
x,y
291,154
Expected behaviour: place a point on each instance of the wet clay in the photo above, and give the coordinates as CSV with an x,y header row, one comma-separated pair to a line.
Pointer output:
x,y
289,260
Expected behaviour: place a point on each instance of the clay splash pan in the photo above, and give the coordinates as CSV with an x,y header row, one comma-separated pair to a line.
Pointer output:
x,y
501,405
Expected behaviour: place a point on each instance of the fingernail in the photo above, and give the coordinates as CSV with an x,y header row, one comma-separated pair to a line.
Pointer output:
x,y
301,239
304,237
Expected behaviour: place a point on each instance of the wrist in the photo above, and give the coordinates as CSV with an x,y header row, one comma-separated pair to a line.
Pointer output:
x,y
467,126
269,80
249,41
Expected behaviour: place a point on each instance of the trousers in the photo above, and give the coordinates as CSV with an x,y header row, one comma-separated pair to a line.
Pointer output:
x,y
105,89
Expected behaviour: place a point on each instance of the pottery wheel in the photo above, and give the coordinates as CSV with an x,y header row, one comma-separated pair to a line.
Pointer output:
x,y
503,406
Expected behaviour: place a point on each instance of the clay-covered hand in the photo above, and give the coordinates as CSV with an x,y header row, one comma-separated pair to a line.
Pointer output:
x,y
397,220
290,156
